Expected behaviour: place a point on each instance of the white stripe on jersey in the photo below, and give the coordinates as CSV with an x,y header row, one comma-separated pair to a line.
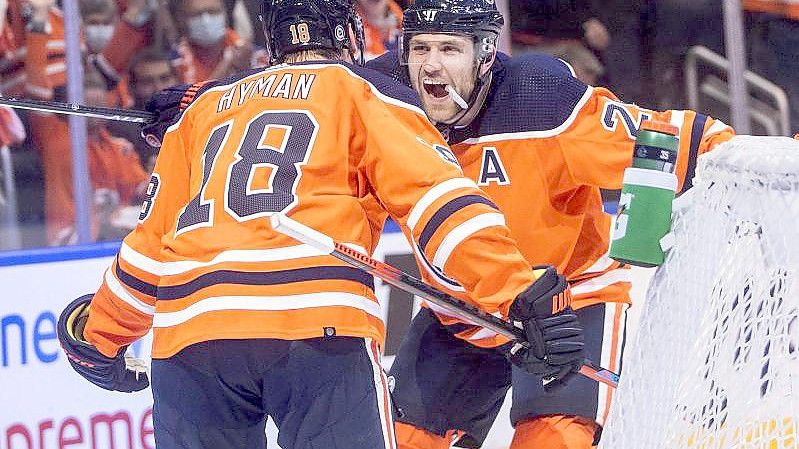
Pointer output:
x,y
603,263
382,393
268,303
483,333
435,193
119,291
462,232
612,310
600,282
677,119
442,281
157,268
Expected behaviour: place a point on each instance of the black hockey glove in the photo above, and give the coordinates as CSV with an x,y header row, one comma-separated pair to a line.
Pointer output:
x,y
115,374
556,339
167,105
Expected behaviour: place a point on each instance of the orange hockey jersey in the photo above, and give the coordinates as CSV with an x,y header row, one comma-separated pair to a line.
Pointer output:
x,y
323,143
541,148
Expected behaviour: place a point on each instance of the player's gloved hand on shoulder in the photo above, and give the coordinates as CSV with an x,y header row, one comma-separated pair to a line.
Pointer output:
x,y
167,105
555,335
111,373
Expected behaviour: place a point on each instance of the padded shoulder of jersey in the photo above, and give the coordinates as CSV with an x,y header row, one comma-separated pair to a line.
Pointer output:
x,y
532,92
387,85
541,61
388,64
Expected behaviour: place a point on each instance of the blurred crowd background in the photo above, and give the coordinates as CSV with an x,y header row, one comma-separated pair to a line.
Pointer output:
x,y
644,51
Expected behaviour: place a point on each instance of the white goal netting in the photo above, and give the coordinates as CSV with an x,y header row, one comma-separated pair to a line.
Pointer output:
x,y
715,360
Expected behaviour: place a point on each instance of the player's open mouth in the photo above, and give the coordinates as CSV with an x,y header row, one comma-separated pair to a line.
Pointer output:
x,y
435,89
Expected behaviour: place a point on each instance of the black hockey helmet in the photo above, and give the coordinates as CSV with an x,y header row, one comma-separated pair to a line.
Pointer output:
x,y
296,25
477,18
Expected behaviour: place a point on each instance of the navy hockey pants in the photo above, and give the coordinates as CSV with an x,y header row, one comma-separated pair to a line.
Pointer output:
x,y
322,393
444,383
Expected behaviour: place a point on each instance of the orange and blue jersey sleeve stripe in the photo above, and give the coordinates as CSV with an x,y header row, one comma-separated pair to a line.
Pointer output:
x,y
440,211
121,311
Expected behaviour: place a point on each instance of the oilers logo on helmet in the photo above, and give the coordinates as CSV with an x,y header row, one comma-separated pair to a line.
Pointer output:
x,y
340,33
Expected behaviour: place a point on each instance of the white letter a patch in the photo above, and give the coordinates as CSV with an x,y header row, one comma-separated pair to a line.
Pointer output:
x,y
492,170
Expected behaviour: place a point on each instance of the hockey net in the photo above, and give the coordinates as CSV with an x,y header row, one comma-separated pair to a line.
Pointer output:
x,y
715,359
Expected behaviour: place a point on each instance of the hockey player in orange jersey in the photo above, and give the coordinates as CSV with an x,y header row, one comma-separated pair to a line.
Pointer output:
x,y
541,144
249,323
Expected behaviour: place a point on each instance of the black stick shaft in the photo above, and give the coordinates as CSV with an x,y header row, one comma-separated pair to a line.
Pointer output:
x,y
121,115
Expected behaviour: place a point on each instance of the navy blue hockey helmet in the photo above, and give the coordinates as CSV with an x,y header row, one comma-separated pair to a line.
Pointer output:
x,y
477,18
296,25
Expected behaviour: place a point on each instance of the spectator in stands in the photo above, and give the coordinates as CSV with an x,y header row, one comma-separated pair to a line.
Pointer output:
x,y
150,72
6,37
209,49
628,71
382,20
568,30
45,23
117,177
135,31
252,9
99,18
114,168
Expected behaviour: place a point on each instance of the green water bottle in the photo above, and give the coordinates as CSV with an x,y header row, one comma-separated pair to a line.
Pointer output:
x,y
644,214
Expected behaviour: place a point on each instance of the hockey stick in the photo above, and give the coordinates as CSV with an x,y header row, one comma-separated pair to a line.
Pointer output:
x,y
120,115
410,284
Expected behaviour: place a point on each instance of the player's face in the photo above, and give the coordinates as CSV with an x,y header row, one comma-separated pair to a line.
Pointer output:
x,y
437,62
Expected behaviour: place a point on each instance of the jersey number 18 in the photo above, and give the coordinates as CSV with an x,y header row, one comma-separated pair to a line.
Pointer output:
x,y
241,201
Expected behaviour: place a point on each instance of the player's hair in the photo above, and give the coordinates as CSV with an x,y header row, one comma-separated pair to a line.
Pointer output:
x,y
292,26
305,55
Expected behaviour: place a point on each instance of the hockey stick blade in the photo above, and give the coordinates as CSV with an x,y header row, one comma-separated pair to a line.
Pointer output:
x,y
410,284
57,107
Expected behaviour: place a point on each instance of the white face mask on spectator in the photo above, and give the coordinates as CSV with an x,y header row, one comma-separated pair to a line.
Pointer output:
x,y
97,37
206,29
